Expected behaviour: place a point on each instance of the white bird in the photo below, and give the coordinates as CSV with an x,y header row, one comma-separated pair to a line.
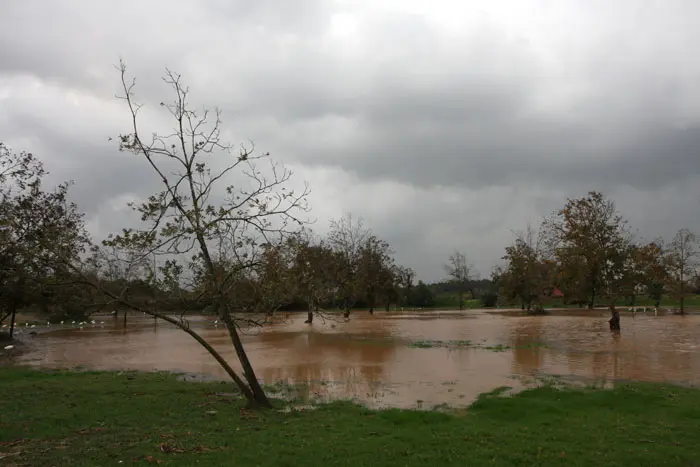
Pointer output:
x,y
9,347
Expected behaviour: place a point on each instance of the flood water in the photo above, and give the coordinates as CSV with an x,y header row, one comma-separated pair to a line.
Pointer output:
x,y
369,358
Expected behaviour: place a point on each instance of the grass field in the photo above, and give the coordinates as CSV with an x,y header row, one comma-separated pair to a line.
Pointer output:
x,y
99,419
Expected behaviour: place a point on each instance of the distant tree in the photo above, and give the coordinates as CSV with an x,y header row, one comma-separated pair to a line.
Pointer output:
x,y
589,240
526,276
375,270
682,264
404,283
422,296
459,271
648,272
347,238
489,299
313,270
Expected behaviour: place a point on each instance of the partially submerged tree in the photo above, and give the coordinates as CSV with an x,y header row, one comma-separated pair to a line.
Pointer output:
x,y
204,224
682,263
375,270
526,276
589,240
313,271
347,238
459,271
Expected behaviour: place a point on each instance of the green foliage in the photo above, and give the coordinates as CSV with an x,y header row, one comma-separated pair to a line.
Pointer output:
x,y
489,300
589,240
42,238
104,418
422,296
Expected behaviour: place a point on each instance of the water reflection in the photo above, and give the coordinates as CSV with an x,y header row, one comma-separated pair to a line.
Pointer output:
x,y
368,357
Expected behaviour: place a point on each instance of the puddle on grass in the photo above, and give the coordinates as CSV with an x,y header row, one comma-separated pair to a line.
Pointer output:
x,y
416,360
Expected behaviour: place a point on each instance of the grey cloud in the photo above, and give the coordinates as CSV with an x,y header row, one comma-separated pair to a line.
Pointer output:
x,y
513,120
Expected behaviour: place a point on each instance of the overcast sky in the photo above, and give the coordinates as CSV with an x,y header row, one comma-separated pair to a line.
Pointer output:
x,y
443,124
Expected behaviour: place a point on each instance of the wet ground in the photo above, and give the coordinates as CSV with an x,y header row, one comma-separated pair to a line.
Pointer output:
x,y
399,360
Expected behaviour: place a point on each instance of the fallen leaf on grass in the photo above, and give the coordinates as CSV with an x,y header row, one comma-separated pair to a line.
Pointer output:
x,y
168,449
246,414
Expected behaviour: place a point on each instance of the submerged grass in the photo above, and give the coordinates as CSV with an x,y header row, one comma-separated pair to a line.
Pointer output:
x,y
88,418
461,344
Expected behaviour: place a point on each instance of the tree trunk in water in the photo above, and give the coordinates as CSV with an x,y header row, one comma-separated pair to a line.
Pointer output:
x,y
12,321
371,310
259,397
615,320
682,305
388,306
346,313
309,317
124,319
461,300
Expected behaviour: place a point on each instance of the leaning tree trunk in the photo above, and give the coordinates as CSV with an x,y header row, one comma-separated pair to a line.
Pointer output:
x,y
309,317
259,397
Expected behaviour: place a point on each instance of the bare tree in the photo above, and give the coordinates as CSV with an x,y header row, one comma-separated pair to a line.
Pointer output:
x,y
459,271
681,261
199,221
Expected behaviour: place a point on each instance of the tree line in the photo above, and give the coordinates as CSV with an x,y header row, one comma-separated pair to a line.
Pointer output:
x,y
585,253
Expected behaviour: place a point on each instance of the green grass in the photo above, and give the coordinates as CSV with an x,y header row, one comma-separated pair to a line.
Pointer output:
x,y
63,418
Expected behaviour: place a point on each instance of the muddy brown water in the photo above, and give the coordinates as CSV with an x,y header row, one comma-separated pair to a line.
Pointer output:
x,y
369,358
